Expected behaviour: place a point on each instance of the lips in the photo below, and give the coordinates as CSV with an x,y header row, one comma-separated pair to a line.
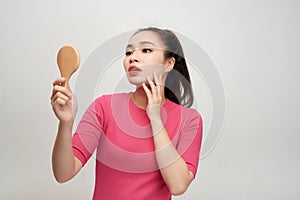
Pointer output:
x,y
133,68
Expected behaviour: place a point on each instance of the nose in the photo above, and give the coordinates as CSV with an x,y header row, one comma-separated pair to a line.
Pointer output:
x,y
133,57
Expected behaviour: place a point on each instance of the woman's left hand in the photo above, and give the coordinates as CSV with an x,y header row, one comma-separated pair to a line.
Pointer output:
x,y
155,97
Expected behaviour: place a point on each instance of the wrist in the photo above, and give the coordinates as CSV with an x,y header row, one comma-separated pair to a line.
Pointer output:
x,y
157,126
153,112
66,124
65,129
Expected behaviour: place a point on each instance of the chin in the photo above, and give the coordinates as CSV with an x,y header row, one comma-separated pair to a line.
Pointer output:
x,y
138,84
137,81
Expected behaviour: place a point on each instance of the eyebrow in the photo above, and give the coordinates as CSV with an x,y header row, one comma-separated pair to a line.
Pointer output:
x,y
141,43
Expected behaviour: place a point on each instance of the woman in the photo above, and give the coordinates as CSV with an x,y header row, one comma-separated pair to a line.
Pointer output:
x,y
148,141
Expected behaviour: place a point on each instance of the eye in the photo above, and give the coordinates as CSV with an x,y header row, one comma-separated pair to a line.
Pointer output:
x,y
146,50
128,53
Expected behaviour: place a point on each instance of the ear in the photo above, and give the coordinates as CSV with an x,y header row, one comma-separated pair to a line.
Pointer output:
x,y
170,62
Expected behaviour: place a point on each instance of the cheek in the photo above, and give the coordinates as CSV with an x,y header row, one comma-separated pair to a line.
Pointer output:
x,y
148,70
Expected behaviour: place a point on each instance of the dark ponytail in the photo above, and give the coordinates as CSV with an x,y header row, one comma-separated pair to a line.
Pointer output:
x,y
178,87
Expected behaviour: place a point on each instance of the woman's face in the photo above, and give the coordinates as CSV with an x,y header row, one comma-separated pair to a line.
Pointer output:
x,y
144,56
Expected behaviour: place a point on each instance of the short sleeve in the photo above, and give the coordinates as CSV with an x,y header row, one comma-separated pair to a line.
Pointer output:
x,y
190,139
89,131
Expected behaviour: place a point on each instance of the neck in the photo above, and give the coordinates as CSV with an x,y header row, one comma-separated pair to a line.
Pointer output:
x,y
140,99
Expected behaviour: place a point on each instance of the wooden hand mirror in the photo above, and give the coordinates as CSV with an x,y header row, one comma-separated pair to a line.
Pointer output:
x,y
68,62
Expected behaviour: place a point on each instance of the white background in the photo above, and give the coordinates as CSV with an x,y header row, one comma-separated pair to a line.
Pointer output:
x,y
254,44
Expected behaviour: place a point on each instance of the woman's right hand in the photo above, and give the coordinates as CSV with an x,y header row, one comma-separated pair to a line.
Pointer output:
x,y
63,102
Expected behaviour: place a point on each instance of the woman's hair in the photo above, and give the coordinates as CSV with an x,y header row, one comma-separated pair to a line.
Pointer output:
x,y
178,87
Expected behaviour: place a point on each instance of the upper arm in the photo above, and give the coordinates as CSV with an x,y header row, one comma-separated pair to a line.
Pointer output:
x,y
88,133
190,141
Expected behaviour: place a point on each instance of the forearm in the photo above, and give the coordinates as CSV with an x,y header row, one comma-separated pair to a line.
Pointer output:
x,y
62,157
172,167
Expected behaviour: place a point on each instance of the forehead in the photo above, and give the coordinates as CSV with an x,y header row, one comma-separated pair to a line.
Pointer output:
x,y
145,37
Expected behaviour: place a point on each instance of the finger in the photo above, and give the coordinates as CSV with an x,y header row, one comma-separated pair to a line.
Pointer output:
x,y
160,79
159,94
156,79
161,88
153,89
149,80
60,102
157,85
60,95
164,77
61,89
148,93
59,81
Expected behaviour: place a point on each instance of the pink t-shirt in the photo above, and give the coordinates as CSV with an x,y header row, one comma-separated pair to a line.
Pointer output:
x,y
126,166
